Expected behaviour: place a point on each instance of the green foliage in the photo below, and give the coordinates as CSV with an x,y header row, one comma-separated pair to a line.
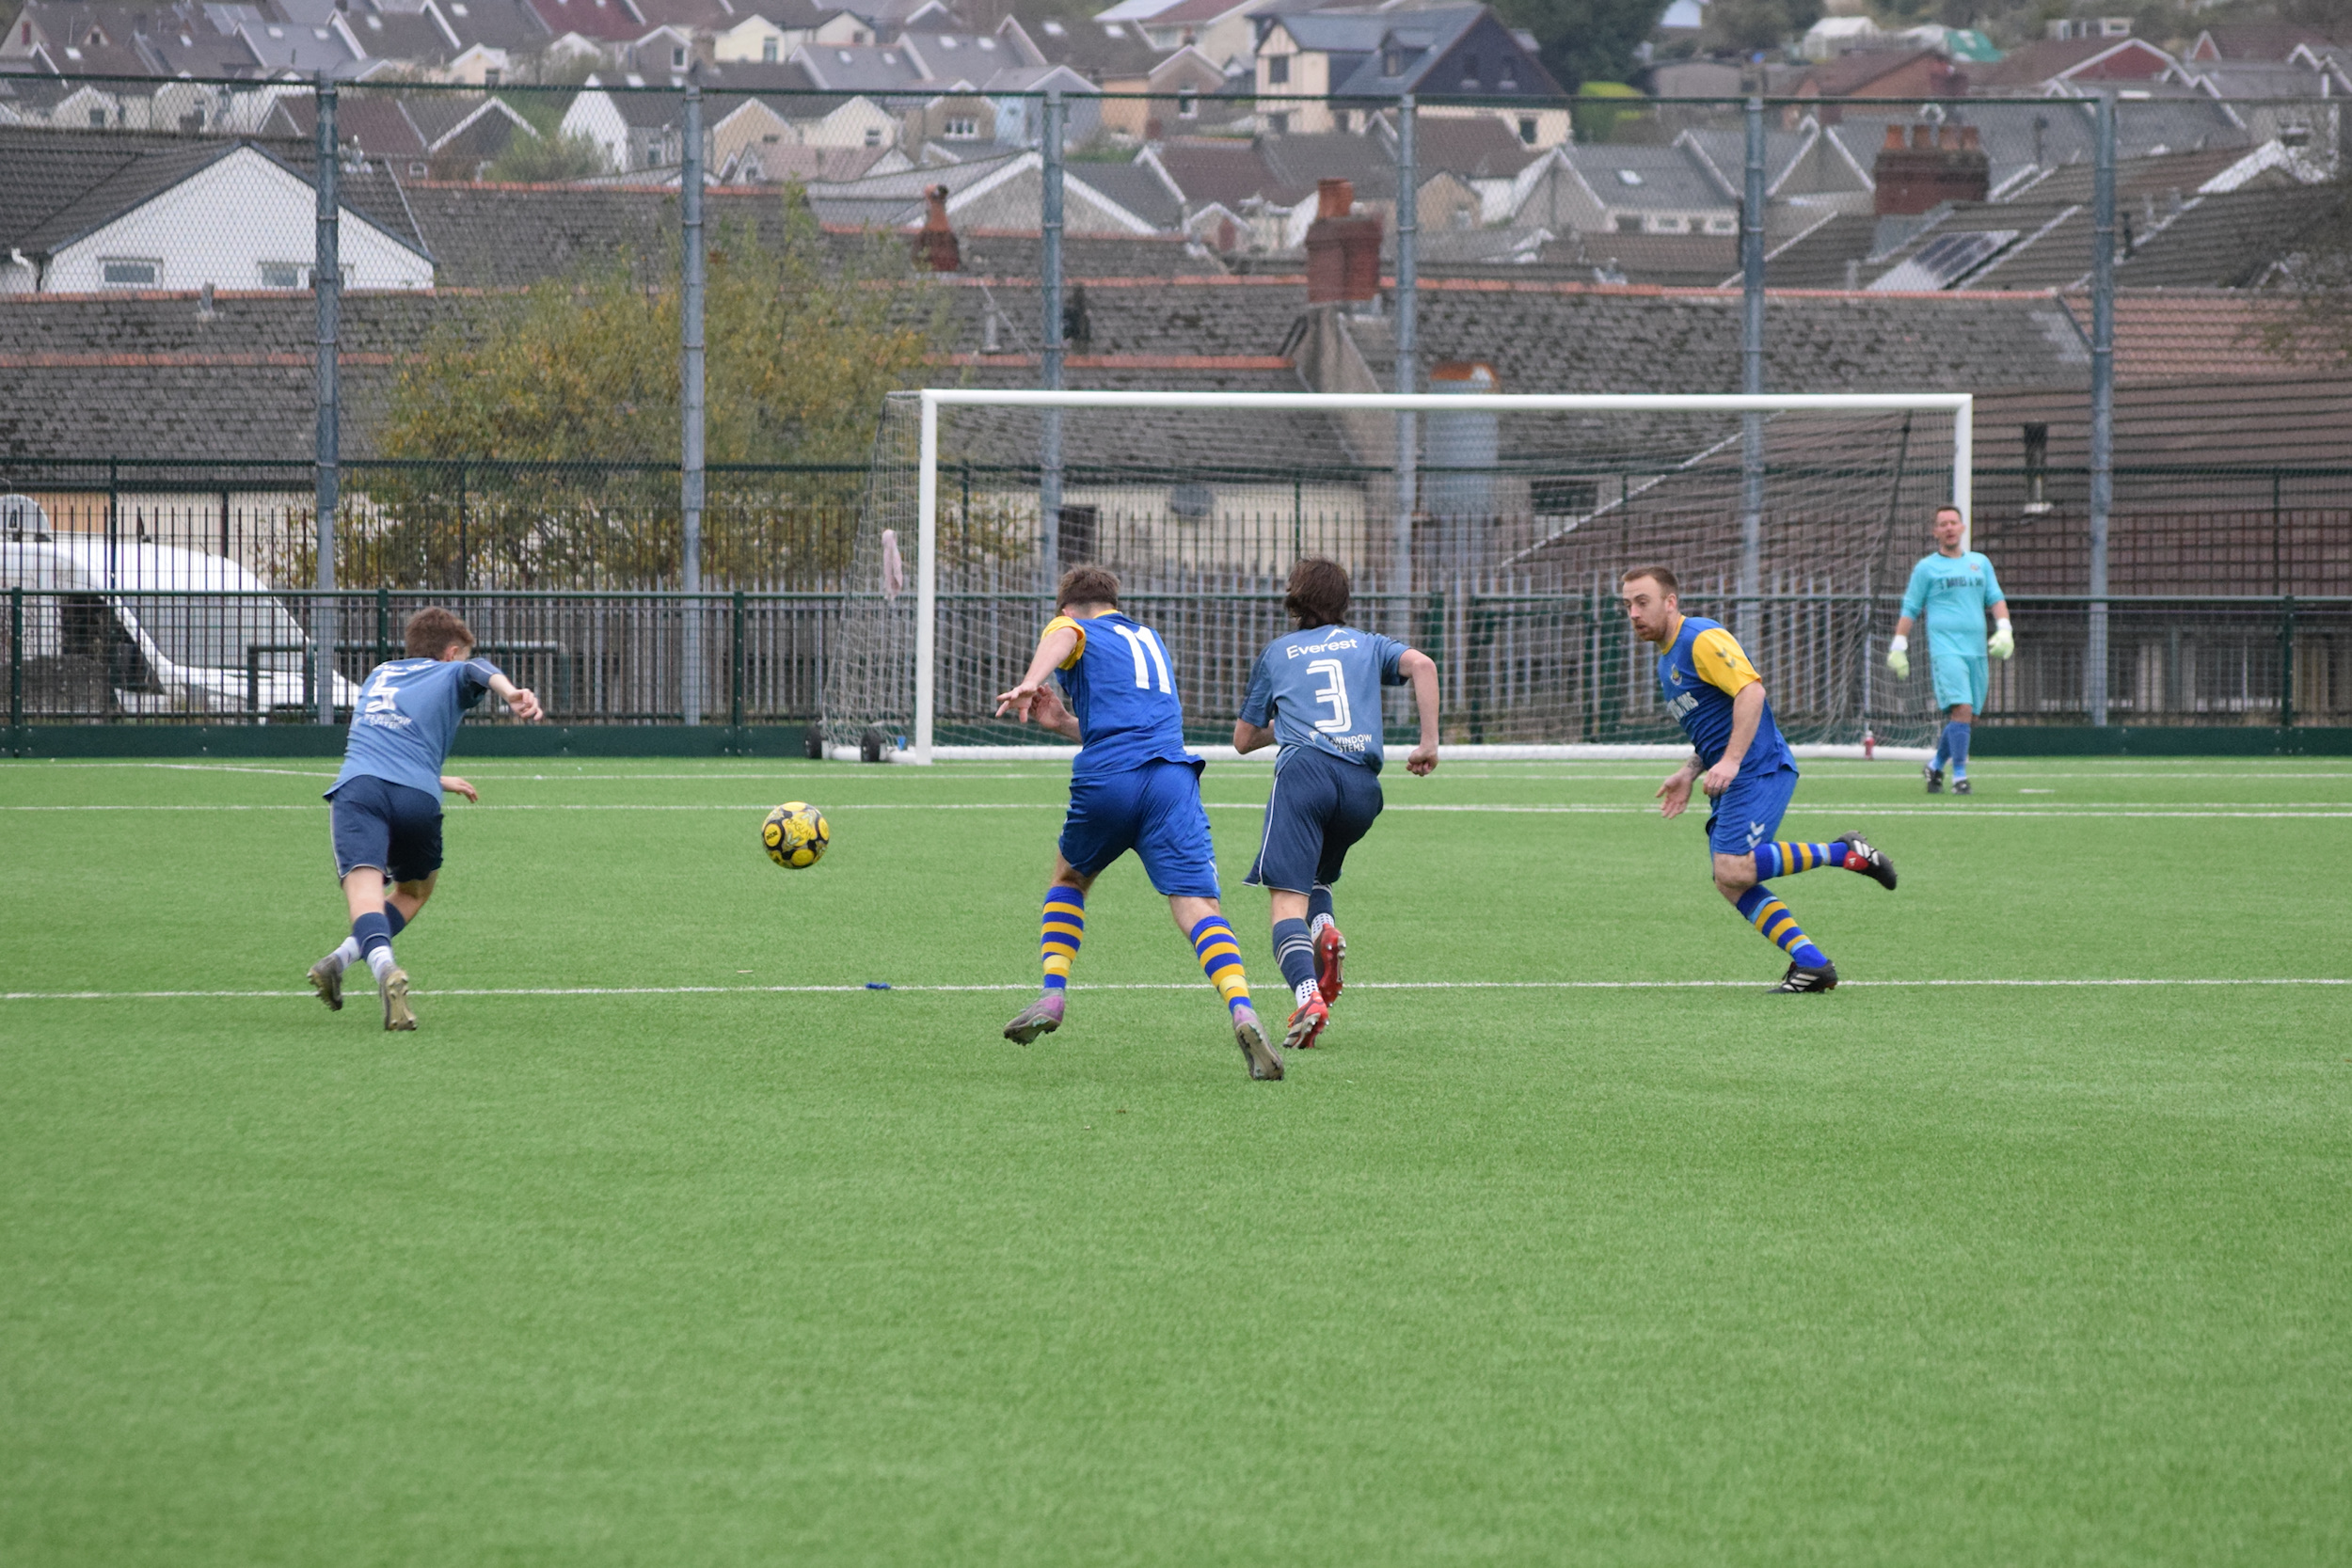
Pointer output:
x,y
545,160
1597,113
1586,40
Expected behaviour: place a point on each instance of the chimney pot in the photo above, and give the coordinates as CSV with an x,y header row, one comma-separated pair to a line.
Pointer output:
x,y
1922,136
1334,198
1970,139
935,245
1894,138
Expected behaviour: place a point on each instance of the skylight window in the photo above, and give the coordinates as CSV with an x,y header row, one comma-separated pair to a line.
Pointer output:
x,y
1055,29
1110,29
845,56
988,43
946,41
1628,176
375,25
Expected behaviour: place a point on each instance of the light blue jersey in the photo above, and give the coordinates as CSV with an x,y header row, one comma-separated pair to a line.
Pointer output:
x,y
405,718
1956,592
1322,689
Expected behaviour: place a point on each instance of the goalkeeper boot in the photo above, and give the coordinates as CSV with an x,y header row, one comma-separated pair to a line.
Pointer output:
x,y
394,987
1041,1017
1306,1025
1799,978
1935,776
1959,786
1266,1061
1330,947
327,978
1861,856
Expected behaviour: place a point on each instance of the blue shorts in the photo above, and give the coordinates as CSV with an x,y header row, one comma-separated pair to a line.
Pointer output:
x,y
1153,810
390,827
1749,813
1320,806
1960,678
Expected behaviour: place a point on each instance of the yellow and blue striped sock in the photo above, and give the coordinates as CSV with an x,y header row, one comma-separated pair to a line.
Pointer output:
x,y
1786,859
1061,928
1220,960
1768,915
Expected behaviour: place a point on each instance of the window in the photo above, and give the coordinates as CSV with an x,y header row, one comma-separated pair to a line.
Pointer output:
x,y
1526,130
961,127
1278,124
1278,69
1187,104
492,76
417,170
1627,223
1461,217
122,272
873,135
767,51
282,274
1473,71
1629,177
1722,226
1392,61
678,57
1669,225
98,118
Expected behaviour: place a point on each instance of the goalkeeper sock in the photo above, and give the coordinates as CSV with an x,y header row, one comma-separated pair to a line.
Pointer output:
x,y
1768,915
1220,960
1318,908
1061,928
1956,743
1295,950
374,934
1786,860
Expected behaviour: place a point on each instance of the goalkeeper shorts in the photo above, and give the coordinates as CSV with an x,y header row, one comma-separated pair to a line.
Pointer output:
x,y
1961,679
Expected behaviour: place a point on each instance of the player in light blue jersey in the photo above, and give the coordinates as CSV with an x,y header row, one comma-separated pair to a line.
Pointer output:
x,y
1745,766
1133,787
1316,691
384,805
1957,589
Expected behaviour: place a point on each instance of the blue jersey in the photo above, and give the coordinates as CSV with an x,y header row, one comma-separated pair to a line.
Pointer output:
x,y
405,718
1322,688
1698,675
1956,592
1120,684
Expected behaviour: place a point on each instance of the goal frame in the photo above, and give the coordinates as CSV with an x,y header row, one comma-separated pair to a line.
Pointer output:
x,y
1959,405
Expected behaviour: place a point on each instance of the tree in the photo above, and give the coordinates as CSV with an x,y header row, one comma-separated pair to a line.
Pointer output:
x,y
1586,40
547,160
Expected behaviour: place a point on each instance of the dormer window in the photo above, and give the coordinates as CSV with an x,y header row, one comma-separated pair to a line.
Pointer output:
x,y
678,57
961,128
767,51
1278,69
1391,60
1187,104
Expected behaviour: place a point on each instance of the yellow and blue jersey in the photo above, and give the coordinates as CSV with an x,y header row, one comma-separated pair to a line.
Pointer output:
x,y
1699,672
1121,686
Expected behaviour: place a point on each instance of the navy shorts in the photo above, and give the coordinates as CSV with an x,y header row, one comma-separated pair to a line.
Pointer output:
x,y
1153,810
1319,808
390,827
1749,813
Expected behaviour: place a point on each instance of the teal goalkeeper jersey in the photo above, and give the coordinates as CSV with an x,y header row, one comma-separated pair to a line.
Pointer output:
x,y
1955,592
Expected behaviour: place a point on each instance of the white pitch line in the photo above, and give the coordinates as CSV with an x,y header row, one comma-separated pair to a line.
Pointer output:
x,y
1155,985
2286,811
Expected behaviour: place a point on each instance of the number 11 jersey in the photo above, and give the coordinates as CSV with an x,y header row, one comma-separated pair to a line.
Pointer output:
x,y
1322,691
1120,685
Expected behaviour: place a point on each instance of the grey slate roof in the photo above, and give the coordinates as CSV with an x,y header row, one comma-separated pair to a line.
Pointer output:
x,y
1671,179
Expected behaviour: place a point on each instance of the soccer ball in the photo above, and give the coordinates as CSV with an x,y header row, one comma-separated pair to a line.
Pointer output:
x,y
795,835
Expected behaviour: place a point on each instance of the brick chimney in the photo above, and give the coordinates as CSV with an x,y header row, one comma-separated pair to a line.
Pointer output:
x,y
935,242
1930,166
1342,250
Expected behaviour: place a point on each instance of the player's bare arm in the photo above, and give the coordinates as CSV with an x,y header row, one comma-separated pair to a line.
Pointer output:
x,y
522,704
1049,712
456,785
1674,796
1051,649
1420,669
1249,737
1747,711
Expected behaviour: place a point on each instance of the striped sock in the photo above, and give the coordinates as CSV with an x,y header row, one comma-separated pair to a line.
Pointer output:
x,y
1061,928
1768,915
1786,860
1220,960
1295,950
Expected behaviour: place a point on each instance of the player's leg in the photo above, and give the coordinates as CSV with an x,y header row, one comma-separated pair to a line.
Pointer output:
x,y
373,829
1746,815
1786,858
1297,813
1958,690
1359,804
1172,841
1978,674
1061,926
1331,947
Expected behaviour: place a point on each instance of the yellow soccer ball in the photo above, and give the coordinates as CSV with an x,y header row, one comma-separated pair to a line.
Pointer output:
x,y
795,835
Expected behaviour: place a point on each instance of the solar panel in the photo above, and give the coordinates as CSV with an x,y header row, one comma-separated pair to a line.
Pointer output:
x,y
1943,262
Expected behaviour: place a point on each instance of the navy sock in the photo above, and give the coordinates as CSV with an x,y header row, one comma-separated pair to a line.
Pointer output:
x,y
1318,905
1295,950
1764,910
372,931
1957,743
393,918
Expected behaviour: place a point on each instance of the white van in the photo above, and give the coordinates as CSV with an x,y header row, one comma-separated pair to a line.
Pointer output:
x,y
146,629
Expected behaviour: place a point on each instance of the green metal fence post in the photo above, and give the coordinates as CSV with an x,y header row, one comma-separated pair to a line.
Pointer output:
x,y
2286,663
16,669
734,699
383,625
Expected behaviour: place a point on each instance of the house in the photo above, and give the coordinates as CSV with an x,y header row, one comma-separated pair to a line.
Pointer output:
x,y
1372,58
634,130
87,212
588,29
2060,64
1117,59
1225,32
1910,74
2251,41
1609,189
1003,193
439,135
769,34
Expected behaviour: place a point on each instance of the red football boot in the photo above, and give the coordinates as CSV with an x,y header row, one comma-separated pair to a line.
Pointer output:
x,y
1330,947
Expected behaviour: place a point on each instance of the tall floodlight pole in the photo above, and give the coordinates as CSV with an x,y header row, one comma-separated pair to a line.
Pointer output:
x,y
1049,225
2101,401
1752,378
1407,372
691,406
326,285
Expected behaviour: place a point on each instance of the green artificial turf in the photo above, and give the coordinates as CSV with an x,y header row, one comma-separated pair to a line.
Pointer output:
x,y
1902,1274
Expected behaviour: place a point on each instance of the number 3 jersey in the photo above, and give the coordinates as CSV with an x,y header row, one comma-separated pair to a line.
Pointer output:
x,y
405,718
1119,682
1322,688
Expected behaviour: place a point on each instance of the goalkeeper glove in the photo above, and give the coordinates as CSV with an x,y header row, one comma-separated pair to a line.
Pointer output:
x,y
2003,642
1899,658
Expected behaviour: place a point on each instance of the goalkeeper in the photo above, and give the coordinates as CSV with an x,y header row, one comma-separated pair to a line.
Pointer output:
x,y
1956,588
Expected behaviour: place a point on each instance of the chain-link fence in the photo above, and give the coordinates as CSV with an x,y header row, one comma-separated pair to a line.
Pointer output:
x,y
622,326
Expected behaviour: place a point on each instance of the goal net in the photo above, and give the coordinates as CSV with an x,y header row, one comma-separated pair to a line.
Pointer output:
x,y
1487,531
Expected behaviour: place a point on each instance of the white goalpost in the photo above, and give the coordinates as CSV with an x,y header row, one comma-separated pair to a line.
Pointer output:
x,y
1786,514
